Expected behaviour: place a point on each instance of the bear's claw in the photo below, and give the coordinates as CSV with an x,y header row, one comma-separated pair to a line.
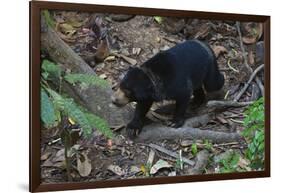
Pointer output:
x,y
176,123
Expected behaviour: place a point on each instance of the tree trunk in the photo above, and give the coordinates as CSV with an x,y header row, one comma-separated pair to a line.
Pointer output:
x,y
95,99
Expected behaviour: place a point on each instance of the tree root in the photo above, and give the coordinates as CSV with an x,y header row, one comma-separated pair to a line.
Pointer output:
x,y
156,132
201,162
227,104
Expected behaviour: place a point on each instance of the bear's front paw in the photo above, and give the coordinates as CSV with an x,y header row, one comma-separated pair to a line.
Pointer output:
x,y
176,123
133,130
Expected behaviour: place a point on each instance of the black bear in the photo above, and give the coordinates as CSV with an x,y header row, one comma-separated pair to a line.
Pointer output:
x,y
175,74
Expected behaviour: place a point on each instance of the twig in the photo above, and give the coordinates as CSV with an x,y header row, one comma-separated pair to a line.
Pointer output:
x,y
67,164
126,58
226,95
181,162
54,141
172,40
230,67
226,144
260,85
257,79
236,121
248,83
150,157
170,153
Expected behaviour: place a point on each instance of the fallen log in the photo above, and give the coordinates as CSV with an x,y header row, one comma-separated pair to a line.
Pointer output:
x,y
95,99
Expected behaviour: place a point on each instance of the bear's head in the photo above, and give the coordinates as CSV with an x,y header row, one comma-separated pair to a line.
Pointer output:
x,y
135,86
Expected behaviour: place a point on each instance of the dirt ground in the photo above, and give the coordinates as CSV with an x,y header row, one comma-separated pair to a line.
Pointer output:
x,y
138,39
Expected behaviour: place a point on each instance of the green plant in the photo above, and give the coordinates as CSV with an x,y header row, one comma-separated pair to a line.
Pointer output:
x,y
146,169
208,144
158,19
230,163
254,133
86,79
50,70
179,164
194,149
48,114
48,18
53,103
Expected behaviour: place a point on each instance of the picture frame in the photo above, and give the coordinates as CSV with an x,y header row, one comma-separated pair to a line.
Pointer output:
x,y
35,7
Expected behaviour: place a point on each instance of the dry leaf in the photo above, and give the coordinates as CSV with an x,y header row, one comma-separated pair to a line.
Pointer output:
x,y
251,32
84,165
110,58
116,170
135,169
251,58
173,173
143,169
159,165
103,76
136,51
203,31
186,143
150,157
128,59
221,119
60,154
66,28
75,23
45,156
109,143
219,50
244,163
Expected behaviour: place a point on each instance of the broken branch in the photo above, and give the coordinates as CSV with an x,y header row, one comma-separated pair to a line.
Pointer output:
x,y
248,83
257,79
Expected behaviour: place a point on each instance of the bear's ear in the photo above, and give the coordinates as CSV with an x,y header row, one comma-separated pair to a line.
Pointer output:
x,y
130,68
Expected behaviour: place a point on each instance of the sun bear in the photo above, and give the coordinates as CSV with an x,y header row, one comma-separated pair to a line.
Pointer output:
x,y
189,68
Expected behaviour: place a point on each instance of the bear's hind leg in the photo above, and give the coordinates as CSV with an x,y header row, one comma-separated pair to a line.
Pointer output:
x,y
198,98
181,106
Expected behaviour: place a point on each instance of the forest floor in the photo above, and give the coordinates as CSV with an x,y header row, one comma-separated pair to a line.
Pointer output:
x,y
134,40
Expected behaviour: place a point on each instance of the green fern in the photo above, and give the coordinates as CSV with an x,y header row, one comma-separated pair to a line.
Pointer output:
x,y
59,103
48,18
72,110
254,133
100,124
87,79
50,68
48,115
86,120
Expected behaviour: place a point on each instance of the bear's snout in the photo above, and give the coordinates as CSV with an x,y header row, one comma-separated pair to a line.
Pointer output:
x,y
119,98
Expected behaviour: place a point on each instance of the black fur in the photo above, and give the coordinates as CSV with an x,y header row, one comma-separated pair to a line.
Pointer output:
x,y
174,74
